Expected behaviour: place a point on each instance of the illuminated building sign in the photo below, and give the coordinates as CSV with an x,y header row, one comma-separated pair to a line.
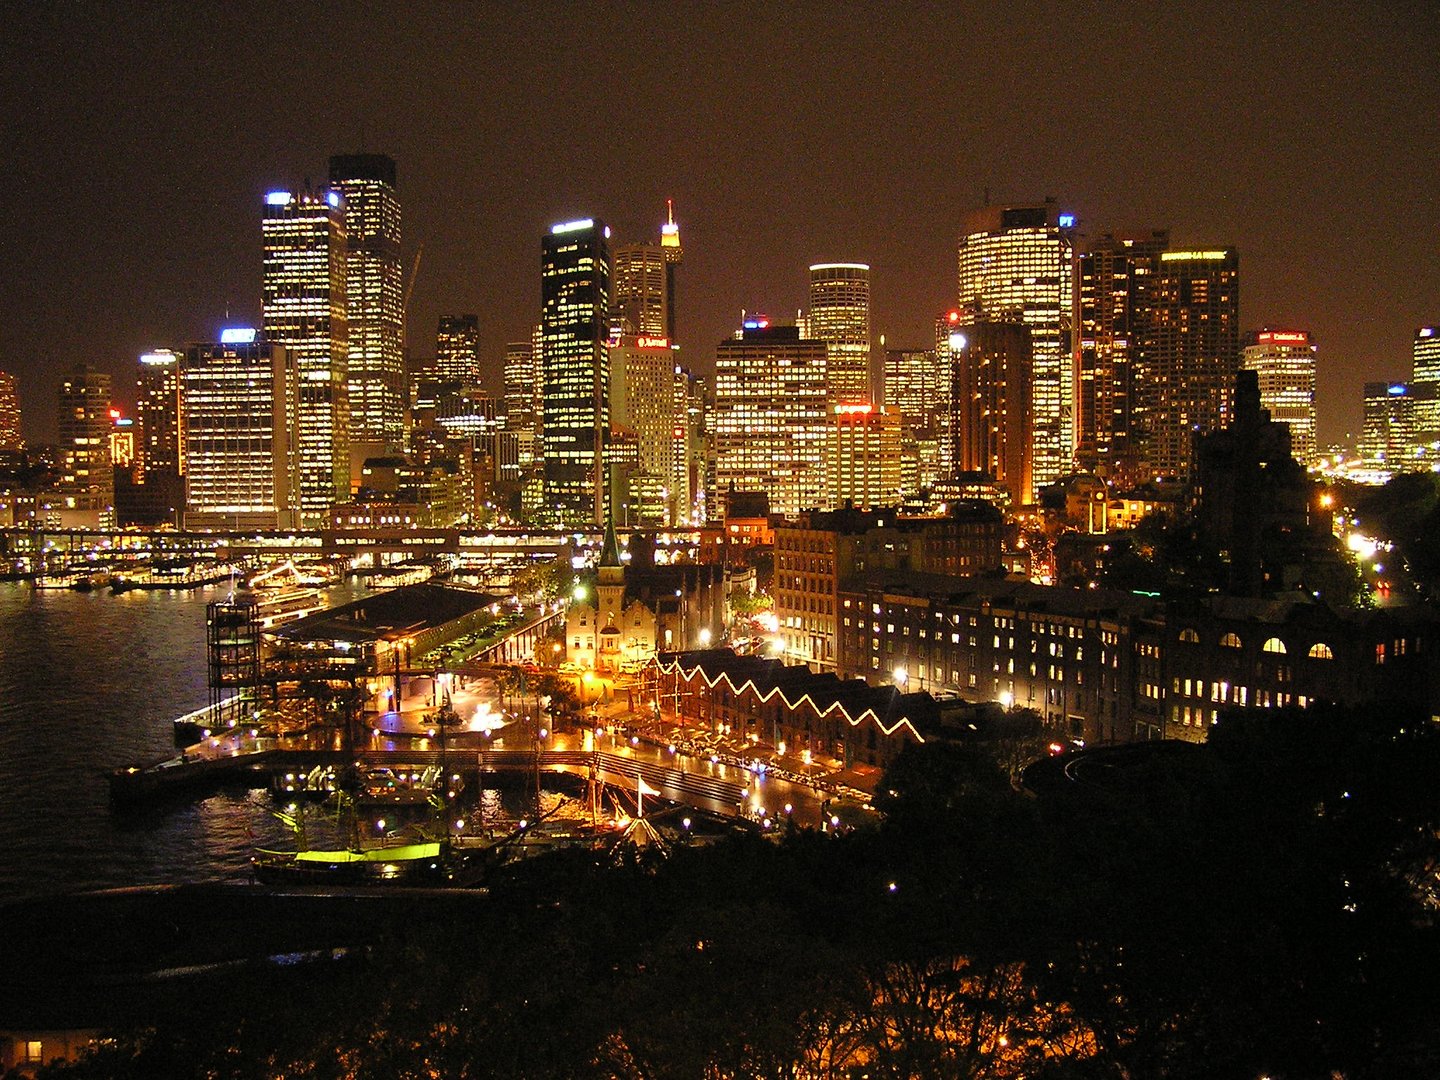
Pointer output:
x,y
333,198
572,226
157,358
1193,256
851,410
1284,337
1427,331
757,324
238,336
652,343
278,198
1067,221
1398,389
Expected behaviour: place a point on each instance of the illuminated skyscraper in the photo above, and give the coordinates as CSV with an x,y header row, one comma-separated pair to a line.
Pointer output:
x,y
242,432
862,456
574,322
1284,362
643,404
839,315
1016,262
304,310
524,400
10,438
1189,353
457,349
670,241
1425,377
87,478
159,390
374,300
770,416
991,382
1114,273
915,387
642,292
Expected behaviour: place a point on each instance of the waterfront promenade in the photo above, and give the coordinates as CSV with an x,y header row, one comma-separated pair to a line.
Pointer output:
x,y
618,745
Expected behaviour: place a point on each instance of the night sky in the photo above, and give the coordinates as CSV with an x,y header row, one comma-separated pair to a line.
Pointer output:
x,y
138,142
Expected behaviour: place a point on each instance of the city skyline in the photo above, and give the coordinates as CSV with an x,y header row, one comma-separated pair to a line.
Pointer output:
x,y
767,175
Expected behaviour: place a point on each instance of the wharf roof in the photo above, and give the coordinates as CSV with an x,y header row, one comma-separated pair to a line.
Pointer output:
x,y
389,616
825,690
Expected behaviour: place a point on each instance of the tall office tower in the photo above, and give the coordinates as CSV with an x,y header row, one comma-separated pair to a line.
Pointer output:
x,y
839,315
574,322
992,382
1016,262
304,310
10,438
641,291
1284,361
159,391
862,455
1189,353
1390,434
770,418
242,421
915,387
457,349
643,406
87,478
523,399
374,302
1425,372
1114,273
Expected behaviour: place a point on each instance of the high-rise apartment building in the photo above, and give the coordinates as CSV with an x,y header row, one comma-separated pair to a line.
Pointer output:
x,y
990,426
1015,262
242,433
10,438
457,349
770,416
574,321
1284,362
87,477
1189,353
1114,273
839,316
374,301
862,456
304,310
159,391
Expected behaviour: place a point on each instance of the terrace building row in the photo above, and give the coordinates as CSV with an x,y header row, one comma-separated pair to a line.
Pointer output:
x,y
1113,667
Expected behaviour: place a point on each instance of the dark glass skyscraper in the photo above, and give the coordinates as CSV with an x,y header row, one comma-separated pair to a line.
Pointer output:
x,y
1114,273
1189,354
574,329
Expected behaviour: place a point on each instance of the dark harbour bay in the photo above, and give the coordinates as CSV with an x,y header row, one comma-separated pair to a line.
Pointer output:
x,y
90,682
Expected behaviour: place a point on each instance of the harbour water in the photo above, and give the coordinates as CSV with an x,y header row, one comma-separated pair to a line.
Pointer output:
x,y
90,682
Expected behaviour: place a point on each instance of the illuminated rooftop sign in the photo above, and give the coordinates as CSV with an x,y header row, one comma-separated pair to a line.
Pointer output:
x,y
238,335
1284,337
652,343
333,198
841,266
279,198
1193,256
162,356
1398,389
1427,331
1067,221
572,226
851,410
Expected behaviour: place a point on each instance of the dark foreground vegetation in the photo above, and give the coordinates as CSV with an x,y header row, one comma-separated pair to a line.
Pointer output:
x,y
1261,906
